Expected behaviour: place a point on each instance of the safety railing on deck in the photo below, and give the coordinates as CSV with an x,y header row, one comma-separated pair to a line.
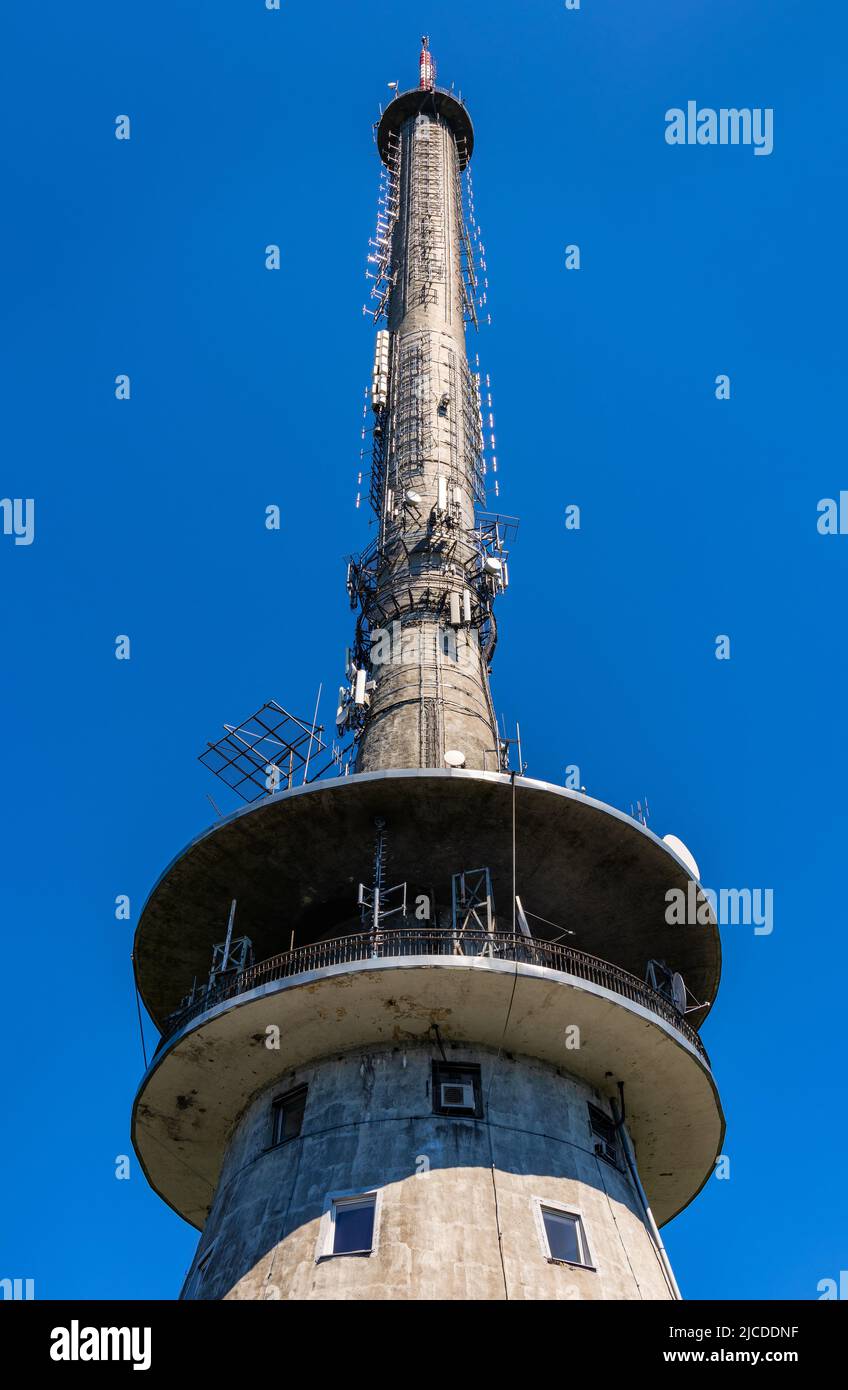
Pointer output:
x,y
427,942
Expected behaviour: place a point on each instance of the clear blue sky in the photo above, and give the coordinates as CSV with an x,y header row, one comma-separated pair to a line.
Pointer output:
x,y
699,516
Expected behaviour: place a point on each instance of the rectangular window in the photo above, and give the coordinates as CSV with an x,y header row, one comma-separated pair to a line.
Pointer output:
x,y
604,1135
564,1236
457,1090
352,1221
288,1116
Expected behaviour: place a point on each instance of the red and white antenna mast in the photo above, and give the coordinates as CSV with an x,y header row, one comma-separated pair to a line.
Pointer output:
x,y
426,66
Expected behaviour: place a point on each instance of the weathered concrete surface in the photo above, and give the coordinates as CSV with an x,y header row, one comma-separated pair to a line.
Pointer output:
x,y
294,862
368,1125
433,694
190,1100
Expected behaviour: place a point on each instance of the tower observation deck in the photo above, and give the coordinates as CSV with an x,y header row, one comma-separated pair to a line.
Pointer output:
x,y
427,1031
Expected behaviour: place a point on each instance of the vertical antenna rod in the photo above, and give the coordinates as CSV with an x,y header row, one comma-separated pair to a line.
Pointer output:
x,y
426,66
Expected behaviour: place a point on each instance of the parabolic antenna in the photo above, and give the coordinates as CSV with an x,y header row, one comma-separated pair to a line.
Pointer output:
x,y
678,993
683,853
455,758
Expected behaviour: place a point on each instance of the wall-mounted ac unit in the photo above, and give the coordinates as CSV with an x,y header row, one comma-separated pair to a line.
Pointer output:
x,y
456,1097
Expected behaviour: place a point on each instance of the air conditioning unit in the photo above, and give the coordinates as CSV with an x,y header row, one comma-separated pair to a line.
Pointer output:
x,y
606,1151
455,1097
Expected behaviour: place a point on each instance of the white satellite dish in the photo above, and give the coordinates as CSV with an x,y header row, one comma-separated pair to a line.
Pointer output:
x,y
454,757
683,853
493,565
412,496
678,993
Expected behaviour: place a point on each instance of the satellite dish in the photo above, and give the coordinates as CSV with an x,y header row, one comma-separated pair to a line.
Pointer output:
x,y
678,993
412,496
454,757
683,853
492,565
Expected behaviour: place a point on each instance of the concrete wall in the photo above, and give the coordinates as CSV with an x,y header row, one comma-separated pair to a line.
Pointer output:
x,y
433,694
369,1124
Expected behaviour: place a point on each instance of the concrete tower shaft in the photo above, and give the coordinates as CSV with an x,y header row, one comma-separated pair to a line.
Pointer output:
x,y
427,631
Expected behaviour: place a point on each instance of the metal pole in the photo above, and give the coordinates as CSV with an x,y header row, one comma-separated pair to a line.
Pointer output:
x,y
225,961
665,1263
312,734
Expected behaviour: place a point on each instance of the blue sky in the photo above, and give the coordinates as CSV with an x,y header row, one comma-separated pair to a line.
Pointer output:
x,y
698,517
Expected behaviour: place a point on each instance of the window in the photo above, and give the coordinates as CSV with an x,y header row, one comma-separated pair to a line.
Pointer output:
x,y
288,1116
353,1225
349,1225
457,1090
564,1238
605,1136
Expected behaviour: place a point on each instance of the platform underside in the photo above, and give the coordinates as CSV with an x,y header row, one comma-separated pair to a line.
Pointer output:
x,y
294,862
439,102
205,1076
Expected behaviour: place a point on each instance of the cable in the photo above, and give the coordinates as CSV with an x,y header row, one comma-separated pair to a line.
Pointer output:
x,y
138,1008
498,1223
267,1281
662,1257
515,971
513,781
434,1028
617,1227
563,931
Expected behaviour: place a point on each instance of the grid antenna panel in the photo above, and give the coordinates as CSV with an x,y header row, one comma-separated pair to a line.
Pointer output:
x,y
270,739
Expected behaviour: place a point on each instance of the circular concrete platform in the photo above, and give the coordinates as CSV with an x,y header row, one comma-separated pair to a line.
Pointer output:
x,y
440,101
203,1078
294,862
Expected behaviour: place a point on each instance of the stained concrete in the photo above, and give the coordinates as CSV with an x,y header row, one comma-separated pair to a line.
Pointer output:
x,y
197,1086
433,696
368,1124
294,861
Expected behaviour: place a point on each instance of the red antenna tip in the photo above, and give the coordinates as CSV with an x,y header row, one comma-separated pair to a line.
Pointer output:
x,y
426,66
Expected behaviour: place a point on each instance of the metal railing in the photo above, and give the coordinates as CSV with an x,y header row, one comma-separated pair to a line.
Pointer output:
x,y
423,942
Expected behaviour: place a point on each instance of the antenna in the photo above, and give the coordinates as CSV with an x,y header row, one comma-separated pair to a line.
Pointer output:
x,y
522,920
503,752
678,992
229,936
683,853
426,66
263,752
312,733
377,902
